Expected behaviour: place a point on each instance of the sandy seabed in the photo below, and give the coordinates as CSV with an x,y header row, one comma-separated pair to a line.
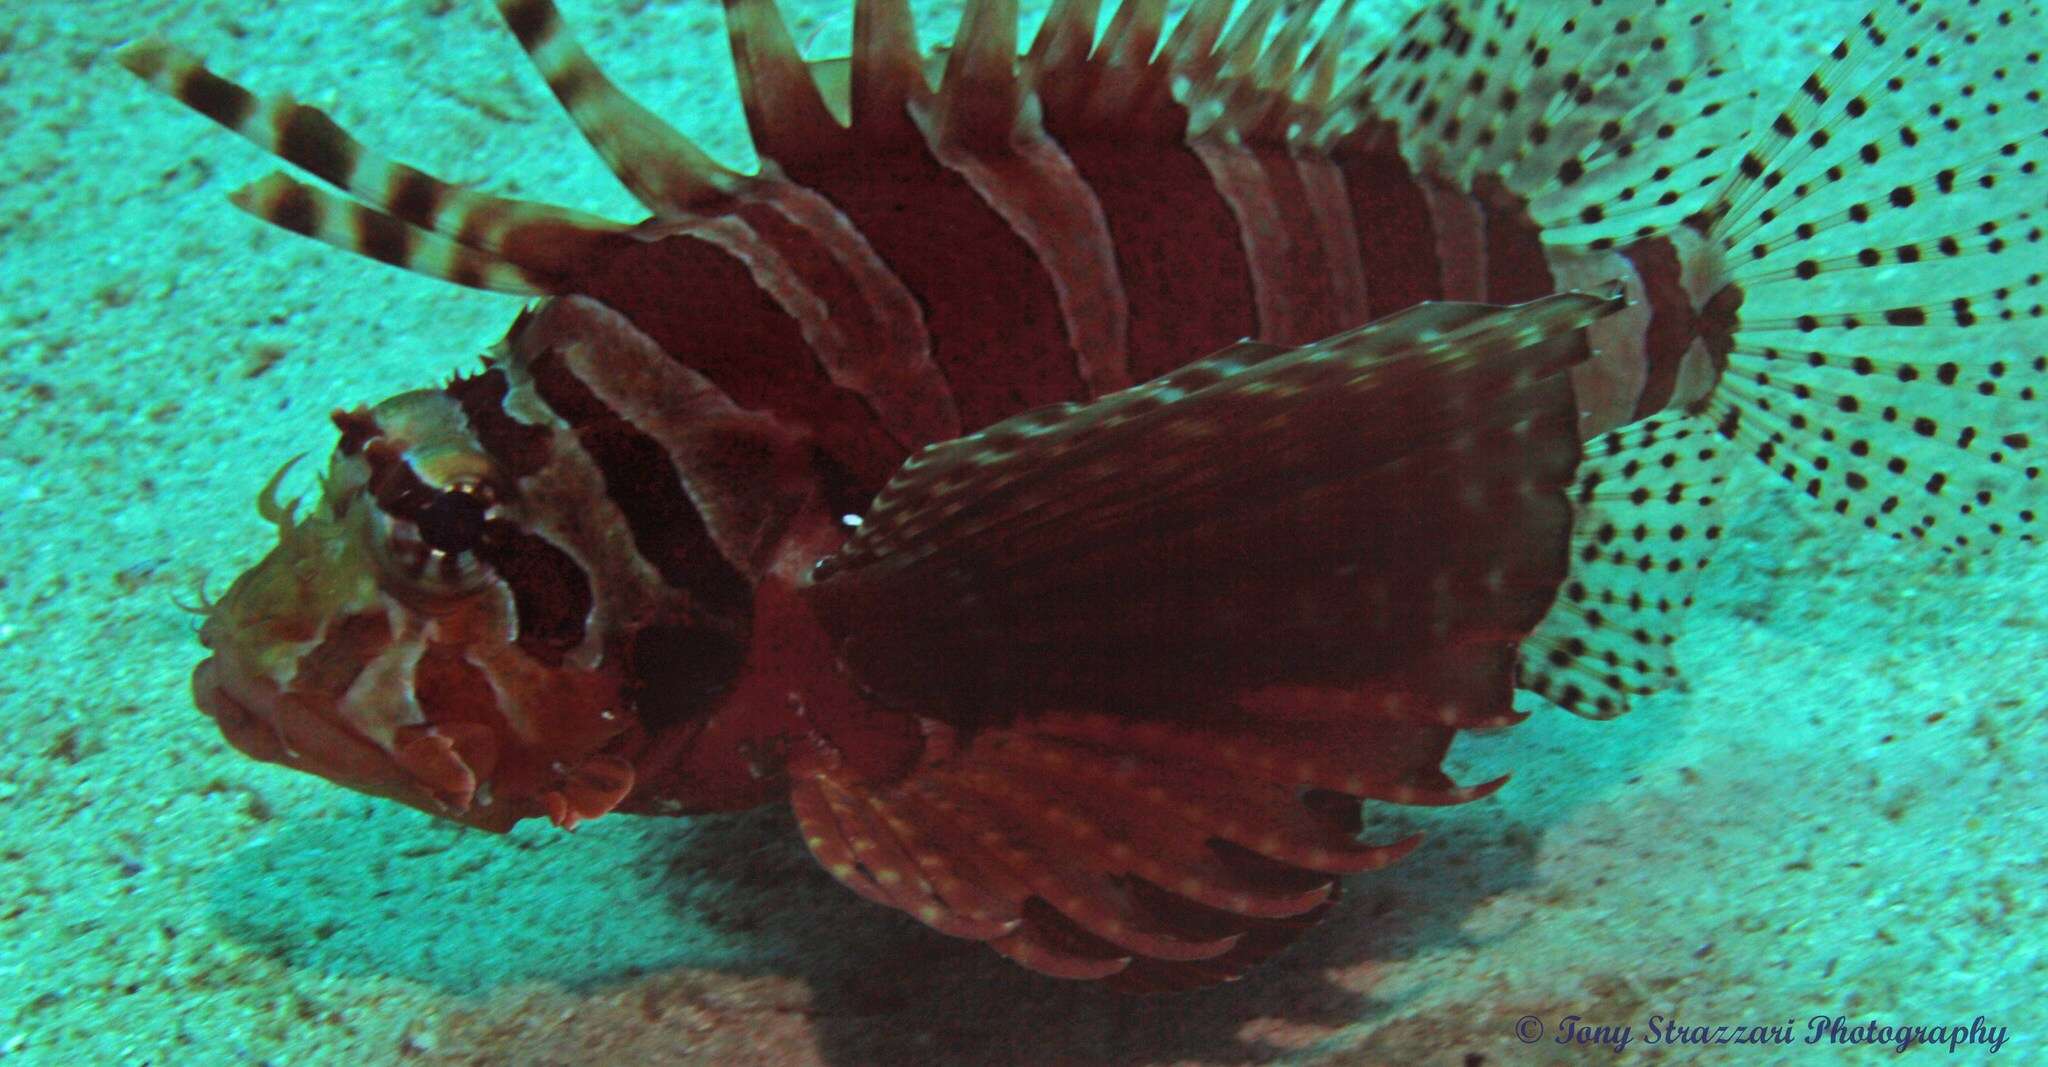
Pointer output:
x,y
1841,815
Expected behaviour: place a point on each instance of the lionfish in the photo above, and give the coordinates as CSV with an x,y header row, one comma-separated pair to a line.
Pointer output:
x,y
1074,480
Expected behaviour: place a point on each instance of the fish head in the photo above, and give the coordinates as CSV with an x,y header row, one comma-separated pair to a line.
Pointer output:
x,y
410,637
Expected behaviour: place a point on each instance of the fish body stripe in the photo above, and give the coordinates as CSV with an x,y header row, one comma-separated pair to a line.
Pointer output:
x,y
981,286
918,280
1672,322
1179,257
1236,240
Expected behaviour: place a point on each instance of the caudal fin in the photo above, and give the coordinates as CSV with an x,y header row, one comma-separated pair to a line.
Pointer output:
x,y
1879,243
1886,233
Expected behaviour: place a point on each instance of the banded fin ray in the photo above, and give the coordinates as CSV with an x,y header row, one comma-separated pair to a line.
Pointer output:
x,y
1084,847
663,169
391,212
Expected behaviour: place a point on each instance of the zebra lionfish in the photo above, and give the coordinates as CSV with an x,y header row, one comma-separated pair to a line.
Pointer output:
x,y
1074,480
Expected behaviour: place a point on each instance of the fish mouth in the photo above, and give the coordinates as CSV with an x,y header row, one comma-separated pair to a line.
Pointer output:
x,y
249,731
282,728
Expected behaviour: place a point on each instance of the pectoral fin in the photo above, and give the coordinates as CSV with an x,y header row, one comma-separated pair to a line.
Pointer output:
x,y
1317,515
1166,642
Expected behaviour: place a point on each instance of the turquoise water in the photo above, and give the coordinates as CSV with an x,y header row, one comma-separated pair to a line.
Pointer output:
x,y
1840,815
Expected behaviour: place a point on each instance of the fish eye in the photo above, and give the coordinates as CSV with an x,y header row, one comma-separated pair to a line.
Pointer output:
x,y
428,538
453,522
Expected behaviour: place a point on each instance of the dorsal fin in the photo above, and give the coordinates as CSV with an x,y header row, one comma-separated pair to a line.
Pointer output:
x,y
1283,55
887,72
1065,37
311,211
1112,86
1543,101
1192,47
1239,49
1130,73
1132,38
786,114
1261,105
390,212
979,95
1316,82
661,168
1215,77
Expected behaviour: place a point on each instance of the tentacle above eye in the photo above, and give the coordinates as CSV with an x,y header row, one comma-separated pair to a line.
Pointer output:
x,y
283,515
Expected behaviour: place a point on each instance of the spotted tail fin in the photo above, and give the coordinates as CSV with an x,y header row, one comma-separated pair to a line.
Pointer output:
x,y
1887,236
1872,261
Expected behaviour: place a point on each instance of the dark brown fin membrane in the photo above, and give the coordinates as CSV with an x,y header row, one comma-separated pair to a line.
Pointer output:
x,y
391,212
786,113
1108,548
1255,592
979,96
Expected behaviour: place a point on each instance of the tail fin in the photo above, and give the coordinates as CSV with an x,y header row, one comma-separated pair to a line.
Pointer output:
x,y
1876,250
1886,233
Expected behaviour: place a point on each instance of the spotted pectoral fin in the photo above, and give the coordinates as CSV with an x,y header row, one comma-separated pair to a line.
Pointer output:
x,y
1158,856
1267,515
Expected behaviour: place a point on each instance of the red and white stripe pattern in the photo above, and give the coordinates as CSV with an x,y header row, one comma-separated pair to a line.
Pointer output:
x,y
1027,233
644,477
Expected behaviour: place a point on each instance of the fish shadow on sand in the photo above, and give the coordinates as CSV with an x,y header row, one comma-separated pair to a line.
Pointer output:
x,y
392,894
884,989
